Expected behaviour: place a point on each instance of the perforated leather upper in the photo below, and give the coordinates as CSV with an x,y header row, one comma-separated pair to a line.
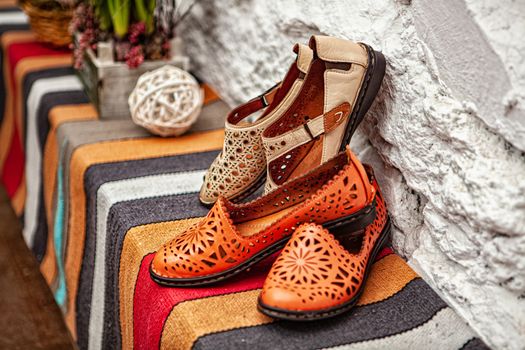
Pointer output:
x,y
337,189
314,271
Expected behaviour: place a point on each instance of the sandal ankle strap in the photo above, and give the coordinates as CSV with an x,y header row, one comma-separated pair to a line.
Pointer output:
x,y
279,145
304,57
303,60
254,105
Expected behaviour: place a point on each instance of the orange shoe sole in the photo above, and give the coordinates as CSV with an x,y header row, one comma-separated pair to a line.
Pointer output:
x,y
289,315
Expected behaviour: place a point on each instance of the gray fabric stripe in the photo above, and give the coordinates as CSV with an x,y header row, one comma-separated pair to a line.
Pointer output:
x,y
446,330
212,116
413,305
75,134
99,174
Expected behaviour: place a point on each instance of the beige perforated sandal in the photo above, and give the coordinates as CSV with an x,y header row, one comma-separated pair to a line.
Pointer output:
x,y
339,88
240,169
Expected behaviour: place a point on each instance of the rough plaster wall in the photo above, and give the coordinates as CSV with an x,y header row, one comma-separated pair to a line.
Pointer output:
x,y
446,134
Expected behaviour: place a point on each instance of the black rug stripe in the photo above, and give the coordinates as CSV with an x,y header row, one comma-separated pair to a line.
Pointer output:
x,y
31,77
48,102
414,305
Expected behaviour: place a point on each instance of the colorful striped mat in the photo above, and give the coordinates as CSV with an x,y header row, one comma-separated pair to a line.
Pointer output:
x,y
98,198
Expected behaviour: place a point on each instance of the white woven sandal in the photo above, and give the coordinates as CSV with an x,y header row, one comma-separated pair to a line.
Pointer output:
x,y
240,169
342,81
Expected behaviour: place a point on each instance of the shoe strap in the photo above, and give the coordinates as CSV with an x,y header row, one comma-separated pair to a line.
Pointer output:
x,y
335,50
276,146
304,57
254,105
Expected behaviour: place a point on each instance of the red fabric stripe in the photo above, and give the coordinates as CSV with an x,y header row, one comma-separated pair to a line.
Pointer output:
x,y
13,169
386,251
152,303
18,51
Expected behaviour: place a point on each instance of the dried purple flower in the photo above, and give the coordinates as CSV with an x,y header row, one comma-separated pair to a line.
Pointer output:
x,y
135,57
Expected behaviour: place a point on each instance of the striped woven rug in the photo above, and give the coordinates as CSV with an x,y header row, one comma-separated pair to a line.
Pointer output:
x,y
98,198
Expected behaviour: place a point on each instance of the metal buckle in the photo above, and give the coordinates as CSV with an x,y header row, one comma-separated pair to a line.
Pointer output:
x,y
307,128
264,101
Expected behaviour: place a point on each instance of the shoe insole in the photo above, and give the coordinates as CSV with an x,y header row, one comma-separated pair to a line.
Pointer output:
x,y
252,227
311,161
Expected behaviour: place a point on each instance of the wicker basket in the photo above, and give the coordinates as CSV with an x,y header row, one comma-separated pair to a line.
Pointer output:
x,y
49,26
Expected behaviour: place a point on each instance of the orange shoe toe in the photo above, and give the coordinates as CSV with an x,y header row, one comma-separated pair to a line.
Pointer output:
x,y
315,277
165,264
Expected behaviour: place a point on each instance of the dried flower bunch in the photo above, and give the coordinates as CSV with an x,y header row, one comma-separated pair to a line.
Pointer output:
x,y
139,29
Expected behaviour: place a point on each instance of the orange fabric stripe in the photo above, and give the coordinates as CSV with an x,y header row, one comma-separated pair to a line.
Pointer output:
x,y
16,36
139,242
210,95
8,3
57,116
113,151
190,320
19,198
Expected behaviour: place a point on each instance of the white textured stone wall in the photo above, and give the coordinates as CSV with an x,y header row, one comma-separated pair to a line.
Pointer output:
x,y
446,134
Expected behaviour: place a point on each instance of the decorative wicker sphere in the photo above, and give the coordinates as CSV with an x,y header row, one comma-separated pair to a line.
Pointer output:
x,y
166,101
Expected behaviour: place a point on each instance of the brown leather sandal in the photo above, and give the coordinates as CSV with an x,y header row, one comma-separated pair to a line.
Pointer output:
x,y
317,277
240,169
233,237
340,86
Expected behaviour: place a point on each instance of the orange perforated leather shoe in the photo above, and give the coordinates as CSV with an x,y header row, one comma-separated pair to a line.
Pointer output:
x,y
233,237
318,275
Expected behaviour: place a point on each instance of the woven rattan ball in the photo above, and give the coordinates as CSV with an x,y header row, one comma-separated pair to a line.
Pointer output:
x,y
166,101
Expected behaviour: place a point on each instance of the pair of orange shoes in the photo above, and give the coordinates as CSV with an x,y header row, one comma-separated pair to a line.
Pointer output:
x,y
318,274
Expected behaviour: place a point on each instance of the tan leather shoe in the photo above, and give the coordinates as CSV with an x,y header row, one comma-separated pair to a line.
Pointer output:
x,y
233,237
240,168
342,81
316,276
